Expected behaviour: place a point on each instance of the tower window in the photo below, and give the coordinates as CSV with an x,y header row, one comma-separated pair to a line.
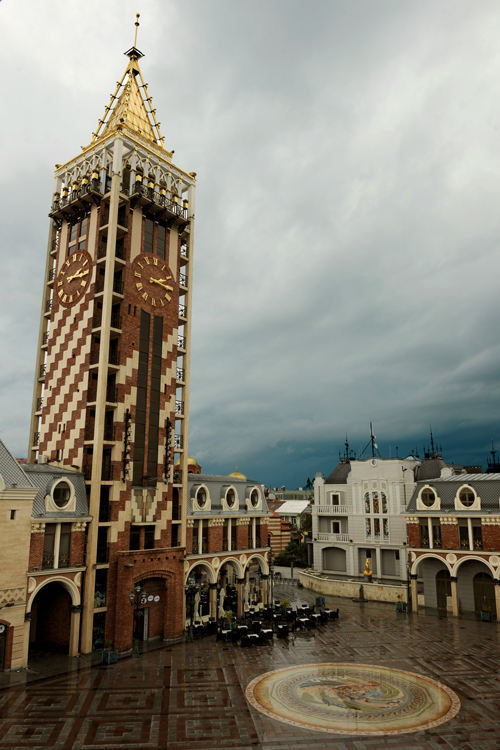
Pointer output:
x,y
148,236
74,229
12,515
161,242
83,226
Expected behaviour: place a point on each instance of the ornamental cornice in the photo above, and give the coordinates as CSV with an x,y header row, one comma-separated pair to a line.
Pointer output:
x,y
263,520
37,528
448,520
412,519
243,521
78,526
215,522
190,523
490,521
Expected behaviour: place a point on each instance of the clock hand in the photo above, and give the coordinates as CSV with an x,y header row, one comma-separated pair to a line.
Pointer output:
x,y
160,282
77,275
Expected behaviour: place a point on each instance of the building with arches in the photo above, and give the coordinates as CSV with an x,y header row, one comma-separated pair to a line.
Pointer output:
x,y
227,538
357,515
453,527
44,514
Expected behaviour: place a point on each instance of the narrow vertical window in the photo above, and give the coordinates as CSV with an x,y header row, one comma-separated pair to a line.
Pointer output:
x,y
161,241
148,236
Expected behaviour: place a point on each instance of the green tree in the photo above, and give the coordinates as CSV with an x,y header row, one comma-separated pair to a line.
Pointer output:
x,y
294,551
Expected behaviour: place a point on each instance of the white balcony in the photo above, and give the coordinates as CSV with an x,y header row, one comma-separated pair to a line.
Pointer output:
x,y
333,537
332,510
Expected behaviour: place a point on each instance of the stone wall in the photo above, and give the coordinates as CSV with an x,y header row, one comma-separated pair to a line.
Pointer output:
x,y
350,589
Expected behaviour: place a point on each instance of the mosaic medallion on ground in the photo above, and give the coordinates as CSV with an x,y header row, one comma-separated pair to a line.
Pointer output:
x,y
353,699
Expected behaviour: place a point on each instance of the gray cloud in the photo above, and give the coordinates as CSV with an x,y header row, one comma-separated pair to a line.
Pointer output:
x,y
347,224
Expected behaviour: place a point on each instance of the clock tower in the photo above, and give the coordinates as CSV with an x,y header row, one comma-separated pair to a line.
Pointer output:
x,y
111,395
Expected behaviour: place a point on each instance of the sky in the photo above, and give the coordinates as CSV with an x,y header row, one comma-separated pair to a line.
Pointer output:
x,y
347,223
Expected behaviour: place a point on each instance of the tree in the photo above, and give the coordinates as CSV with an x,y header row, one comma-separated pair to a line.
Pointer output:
x,y
309,484
294,551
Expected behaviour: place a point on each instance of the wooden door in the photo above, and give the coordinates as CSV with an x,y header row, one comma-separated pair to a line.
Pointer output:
x,y
443,588
484,593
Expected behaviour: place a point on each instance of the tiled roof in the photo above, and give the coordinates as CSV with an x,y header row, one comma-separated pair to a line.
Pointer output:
x,y
217,485
487,486
11,471
339,474
44,476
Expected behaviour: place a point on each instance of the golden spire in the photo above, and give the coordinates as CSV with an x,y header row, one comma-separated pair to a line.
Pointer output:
x,y
132,108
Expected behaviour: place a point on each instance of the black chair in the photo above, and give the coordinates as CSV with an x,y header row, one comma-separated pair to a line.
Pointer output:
x,y
283,631
335,614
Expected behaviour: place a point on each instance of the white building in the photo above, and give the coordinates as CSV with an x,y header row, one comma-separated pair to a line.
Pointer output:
x,y
291,511
357,515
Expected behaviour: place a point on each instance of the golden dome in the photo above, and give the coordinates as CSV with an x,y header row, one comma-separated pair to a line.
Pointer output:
x,y
237,475
191,461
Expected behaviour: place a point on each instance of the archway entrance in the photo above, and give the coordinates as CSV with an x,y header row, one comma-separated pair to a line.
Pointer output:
x,y
51,620
484,594
150,619
254,595
443,590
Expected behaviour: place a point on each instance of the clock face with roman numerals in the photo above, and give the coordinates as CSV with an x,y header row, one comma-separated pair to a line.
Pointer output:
x,y
153,280
73,278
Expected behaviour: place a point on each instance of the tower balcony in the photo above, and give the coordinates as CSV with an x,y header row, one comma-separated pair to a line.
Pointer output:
x,y
179,408
119,255
160,202
183,281
181,343
180,375
332,537
78,199
183,313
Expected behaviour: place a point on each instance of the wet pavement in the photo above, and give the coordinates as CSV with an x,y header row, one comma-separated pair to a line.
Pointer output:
x,y
192,696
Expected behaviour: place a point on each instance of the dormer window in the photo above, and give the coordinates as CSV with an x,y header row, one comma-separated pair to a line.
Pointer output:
x,y
201,497
61,494
230,498
254,498
466,497
428,497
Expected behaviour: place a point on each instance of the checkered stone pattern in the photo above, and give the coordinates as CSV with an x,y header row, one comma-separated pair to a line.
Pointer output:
x,y
191,696
66,379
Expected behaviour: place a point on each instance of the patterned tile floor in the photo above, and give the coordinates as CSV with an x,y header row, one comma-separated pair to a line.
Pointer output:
x,y
191,696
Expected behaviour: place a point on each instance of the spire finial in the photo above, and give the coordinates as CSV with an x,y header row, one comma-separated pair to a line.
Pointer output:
x,y
137,16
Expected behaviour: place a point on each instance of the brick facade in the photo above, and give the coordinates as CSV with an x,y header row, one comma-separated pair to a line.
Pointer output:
x,y
242,536
449,536
215,534
491,537
413,534
36,551
77,548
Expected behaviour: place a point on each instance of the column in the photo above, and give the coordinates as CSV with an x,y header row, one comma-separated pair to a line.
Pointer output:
x,y
431,538
74,633
497,597
378,558
469,529
229,534
200,536
264,579
213,600
57,545
454,596
254,521
414,593
239,586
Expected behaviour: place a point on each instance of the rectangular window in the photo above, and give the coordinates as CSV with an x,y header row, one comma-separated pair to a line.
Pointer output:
x,y
82,244
424,534
64,545
376,528
73,232
385,525
83,226
335,527
149,537
368,528
335,499
477,535
48,546
148,236
12,515
135,537
161,241
464,537
436,534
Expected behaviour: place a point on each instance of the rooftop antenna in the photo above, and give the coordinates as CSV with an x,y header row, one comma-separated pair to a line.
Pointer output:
x,y
397,454
372,443
432,441
137,16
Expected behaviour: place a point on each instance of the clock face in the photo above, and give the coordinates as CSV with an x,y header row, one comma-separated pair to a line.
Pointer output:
x,y
153,280
74,278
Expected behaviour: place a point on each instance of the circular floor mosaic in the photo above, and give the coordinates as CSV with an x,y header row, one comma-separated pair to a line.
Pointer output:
x,y
353,699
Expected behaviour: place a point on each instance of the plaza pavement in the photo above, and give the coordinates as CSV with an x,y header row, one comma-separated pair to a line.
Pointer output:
x,y
191,696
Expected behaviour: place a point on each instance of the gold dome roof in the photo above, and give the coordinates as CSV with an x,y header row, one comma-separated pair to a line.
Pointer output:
x,y
237,475
191,461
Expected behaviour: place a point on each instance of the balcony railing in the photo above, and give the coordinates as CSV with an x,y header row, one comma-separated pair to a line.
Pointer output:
x,y
116,320
42,371
105,513
117,285
179,407
111,394
102,555
184,251
39,403
107,472
161,198
333,537
119,252
93,186
183,279
114,357
178,442
182,311
225,545
53,248
181,342
48,305
180,374
63,560
52,274
45,338
177,476
36,438
47,562
204,546
332,510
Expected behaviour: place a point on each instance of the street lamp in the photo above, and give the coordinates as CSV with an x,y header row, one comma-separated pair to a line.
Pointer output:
x,y
135,598
271,570
191,588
